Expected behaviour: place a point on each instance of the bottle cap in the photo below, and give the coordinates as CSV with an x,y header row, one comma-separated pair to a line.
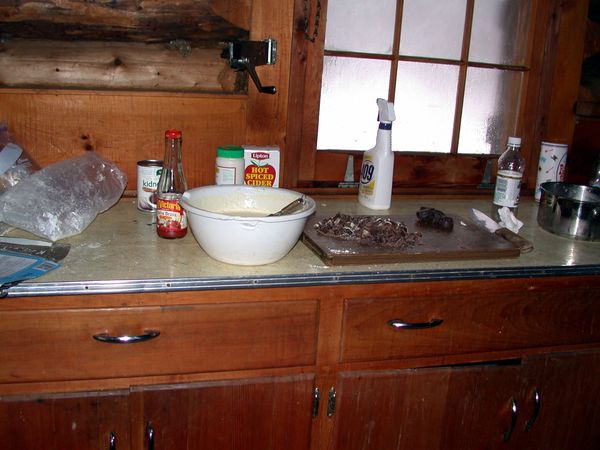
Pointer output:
x,y
514,141
9,156
173,134
230,151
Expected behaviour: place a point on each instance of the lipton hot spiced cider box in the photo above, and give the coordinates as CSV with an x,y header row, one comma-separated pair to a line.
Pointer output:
x,y
261,165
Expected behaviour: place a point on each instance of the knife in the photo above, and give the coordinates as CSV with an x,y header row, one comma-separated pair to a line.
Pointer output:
x,y
44,249
492,226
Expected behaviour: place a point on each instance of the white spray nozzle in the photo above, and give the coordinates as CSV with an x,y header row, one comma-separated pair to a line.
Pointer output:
x,y
386,111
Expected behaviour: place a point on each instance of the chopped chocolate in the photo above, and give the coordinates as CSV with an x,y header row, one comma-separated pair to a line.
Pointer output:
x,y
434,218
368,230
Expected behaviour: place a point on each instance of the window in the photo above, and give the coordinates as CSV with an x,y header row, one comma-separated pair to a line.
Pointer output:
x,y
463,75
454,69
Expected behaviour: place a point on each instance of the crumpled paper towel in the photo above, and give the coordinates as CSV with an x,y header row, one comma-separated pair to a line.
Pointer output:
x,y
508,220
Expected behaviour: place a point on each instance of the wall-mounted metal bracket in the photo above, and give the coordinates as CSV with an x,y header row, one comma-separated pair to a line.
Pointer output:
x,y
246,55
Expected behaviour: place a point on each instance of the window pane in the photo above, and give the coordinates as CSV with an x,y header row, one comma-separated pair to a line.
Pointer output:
x,y
433,28
424,104
361,26
500,30
490,110
348,111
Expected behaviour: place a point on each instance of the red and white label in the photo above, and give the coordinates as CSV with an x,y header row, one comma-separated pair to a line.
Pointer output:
x,y
170,216
261,166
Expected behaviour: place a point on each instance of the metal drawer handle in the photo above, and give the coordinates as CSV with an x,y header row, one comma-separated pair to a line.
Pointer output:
x,y
150,436
514,414
537,404
397,324
126,339
112,441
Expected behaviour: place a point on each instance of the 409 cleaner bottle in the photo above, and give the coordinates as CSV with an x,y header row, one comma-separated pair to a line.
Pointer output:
x,y
375,189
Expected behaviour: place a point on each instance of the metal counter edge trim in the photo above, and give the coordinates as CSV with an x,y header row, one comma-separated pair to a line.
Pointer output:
x,y
36,289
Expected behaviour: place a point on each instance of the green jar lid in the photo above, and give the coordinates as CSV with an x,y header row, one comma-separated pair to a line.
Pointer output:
x,y
230,151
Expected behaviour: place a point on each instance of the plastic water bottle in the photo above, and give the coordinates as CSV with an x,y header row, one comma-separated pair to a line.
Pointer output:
x,y
511,166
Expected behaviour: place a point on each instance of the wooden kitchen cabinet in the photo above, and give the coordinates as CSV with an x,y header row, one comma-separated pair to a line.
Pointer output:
x,y
546,404
569,395
449,323
92,420
97,346
64,344
508,394
450,408
237,369
266,414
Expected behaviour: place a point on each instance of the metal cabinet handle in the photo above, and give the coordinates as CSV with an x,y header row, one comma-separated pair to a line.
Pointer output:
x,y
397,324
150,436
514,412
126,339
331,402
537,404
316,402
112,441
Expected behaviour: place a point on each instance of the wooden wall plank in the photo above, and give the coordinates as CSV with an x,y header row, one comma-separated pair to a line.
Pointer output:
x,y
124,127
127,20
114,65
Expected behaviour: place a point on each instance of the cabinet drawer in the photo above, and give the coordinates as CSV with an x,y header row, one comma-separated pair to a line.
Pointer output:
x,y
468,324
60,345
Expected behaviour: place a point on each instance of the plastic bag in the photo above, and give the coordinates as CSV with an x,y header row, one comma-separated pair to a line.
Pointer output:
x,y
13,168
62,199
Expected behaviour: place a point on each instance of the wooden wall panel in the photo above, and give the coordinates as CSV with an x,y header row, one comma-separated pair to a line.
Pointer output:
x,y
124,127
115,65
560,121
127,20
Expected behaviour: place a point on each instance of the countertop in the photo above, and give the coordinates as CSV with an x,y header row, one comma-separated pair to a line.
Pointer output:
x,y
120,252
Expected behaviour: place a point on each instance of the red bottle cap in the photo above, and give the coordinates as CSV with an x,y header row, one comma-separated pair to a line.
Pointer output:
x,y
173,134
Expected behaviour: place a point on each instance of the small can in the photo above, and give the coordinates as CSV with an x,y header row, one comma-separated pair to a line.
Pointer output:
x,y
552,165
148,174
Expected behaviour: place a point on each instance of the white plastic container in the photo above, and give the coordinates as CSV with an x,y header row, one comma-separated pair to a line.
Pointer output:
x,y
229,166
377,171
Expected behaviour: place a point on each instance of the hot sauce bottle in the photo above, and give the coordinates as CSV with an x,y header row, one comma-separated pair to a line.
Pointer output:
x,y
171,221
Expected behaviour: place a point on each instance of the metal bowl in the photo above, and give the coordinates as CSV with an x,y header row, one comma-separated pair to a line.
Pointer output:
x,y
570,210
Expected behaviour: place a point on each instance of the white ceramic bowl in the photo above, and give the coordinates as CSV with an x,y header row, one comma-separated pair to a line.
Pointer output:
x,y
230,222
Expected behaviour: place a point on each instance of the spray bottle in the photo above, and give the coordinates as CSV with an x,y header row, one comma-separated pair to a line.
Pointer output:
x,y
375,189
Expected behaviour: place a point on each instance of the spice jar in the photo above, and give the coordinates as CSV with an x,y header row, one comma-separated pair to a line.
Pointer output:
x,y
229,166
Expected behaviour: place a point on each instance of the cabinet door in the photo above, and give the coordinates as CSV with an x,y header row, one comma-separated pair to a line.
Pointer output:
x,y
568,395
439,408
265,413
65,421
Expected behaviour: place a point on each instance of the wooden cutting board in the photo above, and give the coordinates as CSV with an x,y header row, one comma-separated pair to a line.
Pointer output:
x,y
466,241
